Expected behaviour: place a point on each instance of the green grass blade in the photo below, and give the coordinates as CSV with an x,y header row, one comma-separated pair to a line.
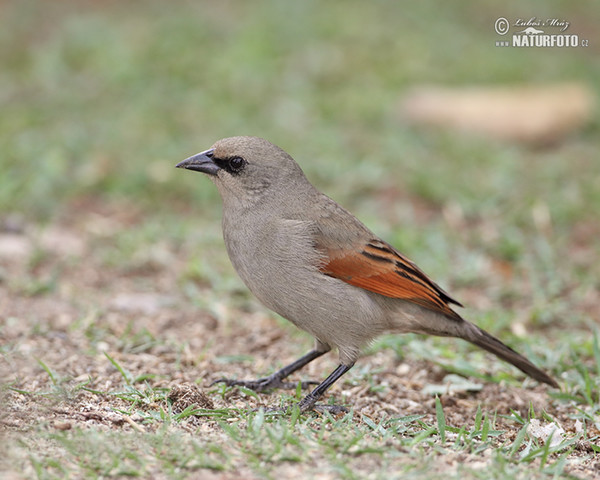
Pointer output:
x,y
441,419
121,370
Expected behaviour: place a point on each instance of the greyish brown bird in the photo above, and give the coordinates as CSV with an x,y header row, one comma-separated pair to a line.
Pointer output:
x,y
311,261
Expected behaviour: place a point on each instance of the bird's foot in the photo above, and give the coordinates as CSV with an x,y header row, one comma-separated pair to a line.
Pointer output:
x,y
309,403
333,410
263,384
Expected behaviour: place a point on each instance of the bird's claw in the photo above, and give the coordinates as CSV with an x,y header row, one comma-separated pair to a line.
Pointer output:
x,y
332,409
309,403
264,384
318,407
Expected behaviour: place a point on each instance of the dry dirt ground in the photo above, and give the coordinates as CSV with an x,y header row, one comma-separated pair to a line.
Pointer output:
x,y
64,307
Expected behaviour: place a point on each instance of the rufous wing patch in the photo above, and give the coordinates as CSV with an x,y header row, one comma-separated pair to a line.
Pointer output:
x,y
379,268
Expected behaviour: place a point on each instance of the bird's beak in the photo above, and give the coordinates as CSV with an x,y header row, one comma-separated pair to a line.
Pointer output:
x,y
201,162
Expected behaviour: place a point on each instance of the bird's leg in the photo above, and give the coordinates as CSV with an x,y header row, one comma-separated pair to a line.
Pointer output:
x,y
276,379
310,401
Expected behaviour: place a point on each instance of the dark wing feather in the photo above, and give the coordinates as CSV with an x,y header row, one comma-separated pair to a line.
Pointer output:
x,y
378,267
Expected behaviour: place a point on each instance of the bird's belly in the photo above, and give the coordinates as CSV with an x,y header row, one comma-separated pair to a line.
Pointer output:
x,y
336,313
281,269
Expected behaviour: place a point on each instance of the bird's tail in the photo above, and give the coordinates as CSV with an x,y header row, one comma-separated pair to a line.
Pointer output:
x,y
484,340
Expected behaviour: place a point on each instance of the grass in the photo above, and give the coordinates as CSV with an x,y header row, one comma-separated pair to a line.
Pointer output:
x,y
118,287
258,443
268,445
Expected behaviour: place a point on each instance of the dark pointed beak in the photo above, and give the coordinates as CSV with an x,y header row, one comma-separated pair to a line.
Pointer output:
x,y
201,162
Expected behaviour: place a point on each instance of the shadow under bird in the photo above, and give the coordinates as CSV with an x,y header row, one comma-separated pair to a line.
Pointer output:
x,y
311,261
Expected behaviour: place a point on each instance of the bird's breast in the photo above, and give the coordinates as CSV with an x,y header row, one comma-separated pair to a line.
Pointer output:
x,y
273,257
279,263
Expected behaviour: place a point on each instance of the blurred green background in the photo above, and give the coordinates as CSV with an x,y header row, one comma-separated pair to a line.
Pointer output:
x,y
103,98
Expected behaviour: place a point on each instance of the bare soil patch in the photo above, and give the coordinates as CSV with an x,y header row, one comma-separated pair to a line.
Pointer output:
x,y
64,309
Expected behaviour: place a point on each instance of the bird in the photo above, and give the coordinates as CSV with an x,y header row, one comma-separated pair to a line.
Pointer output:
x,y
311,261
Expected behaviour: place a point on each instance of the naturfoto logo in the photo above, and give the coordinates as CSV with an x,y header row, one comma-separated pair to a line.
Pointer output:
x,y
534,32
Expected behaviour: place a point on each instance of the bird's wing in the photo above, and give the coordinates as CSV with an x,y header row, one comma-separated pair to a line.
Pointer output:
x,y
367,262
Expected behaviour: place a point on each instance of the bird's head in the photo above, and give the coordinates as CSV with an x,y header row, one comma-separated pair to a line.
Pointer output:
x,y
247,168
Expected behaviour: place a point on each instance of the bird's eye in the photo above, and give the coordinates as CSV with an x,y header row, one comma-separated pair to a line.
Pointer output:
x,y
236,163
